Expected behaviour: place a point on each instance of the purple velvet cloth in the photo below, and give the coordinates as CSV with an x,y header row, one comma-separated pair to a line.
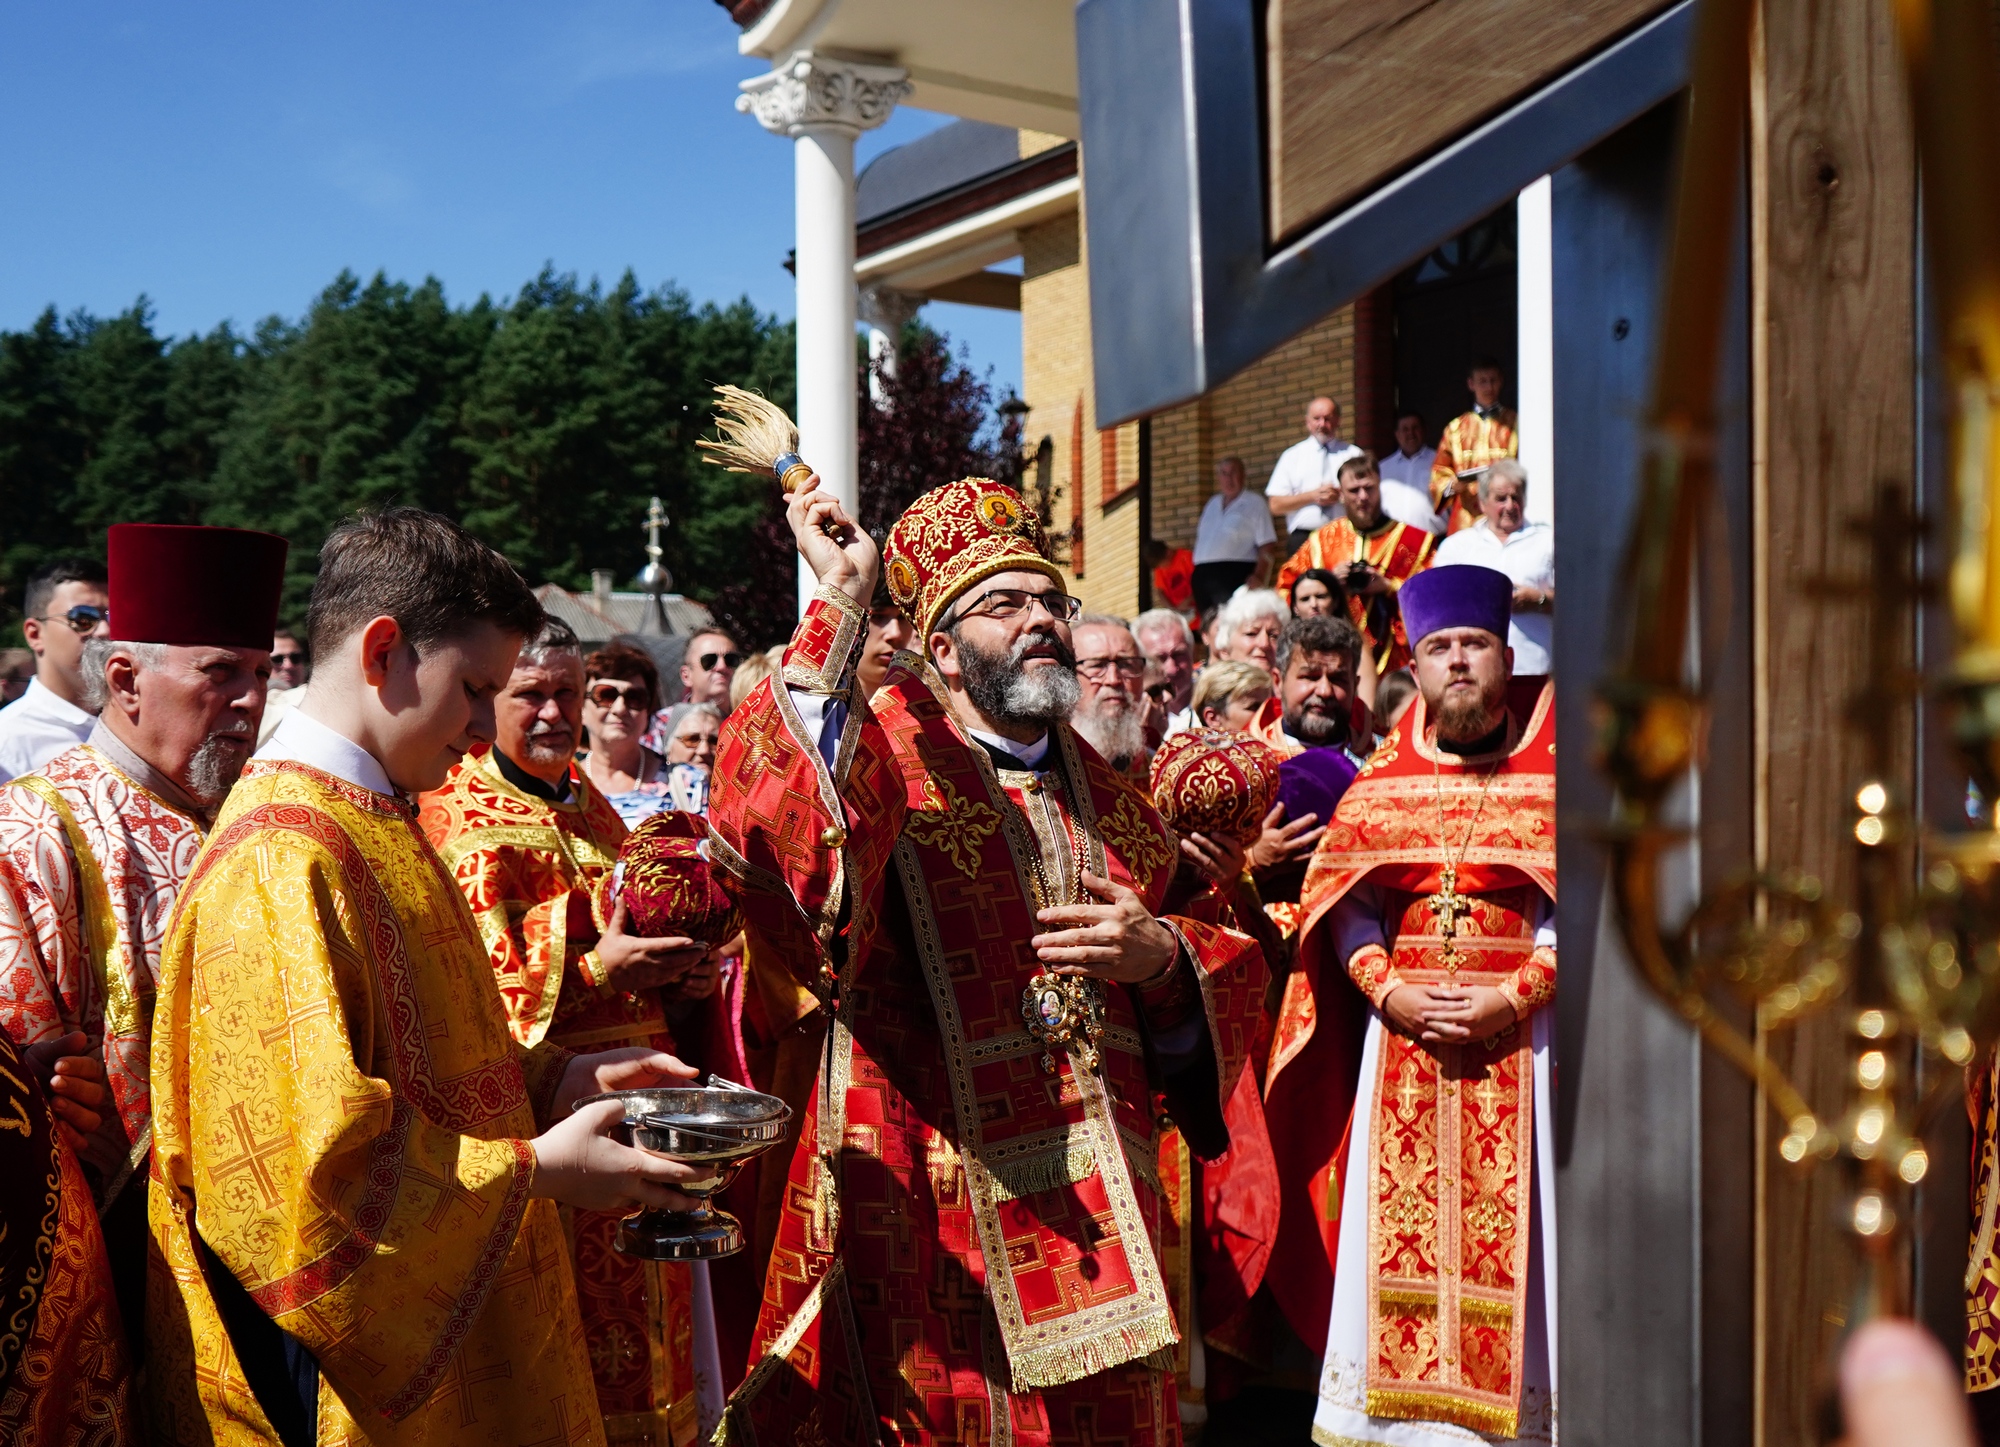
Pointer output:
x,y
1313,781
1462,595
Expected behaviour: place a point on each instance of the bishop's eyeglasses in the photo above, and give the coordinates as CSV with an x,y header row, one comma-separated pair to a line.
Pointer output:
x,y
1000,604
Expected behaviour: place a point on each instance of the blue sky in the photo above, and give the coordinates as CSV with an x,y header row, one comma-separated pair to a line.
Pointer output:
x,y
227,159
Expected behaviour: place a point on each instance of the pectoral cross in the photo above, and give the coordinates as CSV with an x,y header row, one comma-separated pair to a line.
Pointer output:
x,y
1449,906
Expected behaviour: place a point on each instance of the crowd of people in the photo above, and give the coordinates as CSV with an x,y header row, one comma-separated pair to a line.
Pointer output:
x,y
1162,1004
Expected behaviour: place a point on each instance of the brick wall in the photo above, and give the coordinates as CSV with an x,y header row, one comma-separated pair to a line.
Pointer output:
x,y
1255,415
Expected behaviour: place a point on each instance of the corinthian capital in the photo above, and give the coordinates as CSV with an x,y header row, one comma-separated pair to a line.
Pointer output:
x,y
809,91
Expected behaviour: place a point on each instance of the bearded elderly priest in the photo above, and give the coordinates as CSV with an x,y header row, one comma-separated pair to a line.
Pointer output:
x,y
969,1248
527,839
95,847
1430,915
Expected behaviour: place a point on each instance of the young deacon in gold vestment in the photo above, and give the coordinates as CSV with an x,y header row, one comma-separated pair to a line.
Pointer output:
x,y
355,1164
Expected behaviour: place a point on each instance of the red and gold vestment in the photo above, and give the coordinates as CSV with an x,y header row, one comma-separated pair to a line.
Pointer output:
x,y
64,1374
342,1116
1982,1277
90,864
1471,443
1449,1129
529,868
968,1250
1395,550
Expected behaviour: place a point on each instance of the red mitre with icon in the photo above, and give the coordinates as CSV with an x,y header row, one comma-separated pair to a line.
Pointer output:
x,y
956,535
664,879
195,586
1209,781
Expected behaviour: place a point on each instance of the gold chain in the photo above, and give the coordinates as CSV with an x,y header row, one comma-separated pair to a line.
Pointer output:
x,y
1447,903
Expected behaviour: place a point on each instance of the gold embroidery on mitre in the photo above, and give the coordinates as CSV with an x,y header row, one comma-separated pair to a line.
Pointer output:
x,y
956,826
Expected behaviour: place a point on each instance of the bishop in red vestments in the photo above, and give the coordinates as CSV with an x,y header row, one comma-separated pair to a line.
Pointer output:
x,y
969,1248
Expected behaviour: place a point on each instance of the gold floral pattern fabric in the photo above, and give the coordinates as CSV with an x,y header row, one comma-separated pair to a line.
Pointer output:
x,y
343,1116
80,932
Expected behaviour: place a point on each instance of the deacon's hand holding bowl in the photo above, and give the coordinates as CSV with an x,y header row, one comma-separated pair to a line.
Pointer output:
x,y
1117,940
578,1162
840,554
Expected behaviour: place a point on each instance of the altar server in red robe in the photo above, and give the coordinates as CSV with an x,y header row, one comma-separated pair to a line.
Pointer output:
x,y
969,1248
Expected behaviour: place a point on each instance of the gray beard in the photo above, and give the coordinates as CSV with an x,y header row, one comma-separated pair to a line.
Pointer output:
x,y
1005,692
1117,731
214,769
548,748
1317,729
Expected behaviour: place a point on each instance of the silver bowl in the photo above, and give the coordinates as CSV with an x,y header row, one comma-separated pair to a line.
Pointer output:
x,y
722,1125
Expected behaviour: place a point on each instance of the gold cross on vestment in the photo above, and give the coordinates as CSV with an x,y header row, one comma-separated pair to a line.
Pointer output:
x,y
1449,906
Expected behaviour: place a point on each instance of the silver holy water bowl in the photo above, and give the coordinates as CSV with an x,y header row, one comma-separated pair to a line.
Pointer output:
x,y
722,1125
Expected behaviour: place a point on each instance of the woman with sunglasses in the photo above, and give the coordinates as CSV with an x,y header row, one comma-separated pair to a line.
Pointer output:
x,y
621,686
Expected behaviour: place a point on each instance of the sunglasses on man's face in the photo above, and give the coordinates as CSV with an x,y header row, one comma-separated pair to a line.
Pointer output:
x,y
709,660
607,695
281,660
82,618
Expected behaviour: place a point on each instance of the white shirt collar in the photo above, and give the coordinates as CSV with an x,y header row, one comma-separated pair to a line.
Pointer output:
x,y
302,739
1030,755
42,699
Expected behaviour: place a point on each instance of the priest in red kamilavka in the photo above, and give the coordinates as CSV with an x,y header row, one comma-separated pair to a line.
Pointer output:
x,y
1427,964
968,1250
94,847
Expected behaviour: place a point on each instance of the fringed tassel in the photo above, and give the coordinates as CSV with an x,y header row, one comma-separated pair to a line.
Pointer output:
x,y
1047,1171
1071,1361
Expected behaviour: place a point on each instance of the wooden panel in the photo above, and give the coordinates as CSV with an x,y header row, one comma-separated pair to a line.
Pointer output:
x,y
1833,237
1359,89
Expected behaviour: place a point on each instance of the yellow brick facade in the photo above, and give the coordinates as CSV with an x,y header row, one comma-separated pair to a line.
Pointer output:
x,y
1255,415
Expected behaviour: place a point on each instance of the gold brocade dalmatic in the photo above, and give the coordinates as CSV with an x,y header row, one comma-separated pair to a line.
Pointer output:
x,y
528,868
1470,444
343,1118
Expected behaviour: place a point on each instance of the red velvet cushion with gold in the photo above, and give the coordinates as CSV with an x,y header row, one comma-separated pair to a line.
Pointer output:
x,y
1207,781
664,878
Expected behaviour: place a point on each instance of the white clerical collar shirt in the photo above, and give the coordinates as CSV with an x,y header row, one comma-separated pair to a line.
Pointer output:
x,y
1029,755
302,739
37,726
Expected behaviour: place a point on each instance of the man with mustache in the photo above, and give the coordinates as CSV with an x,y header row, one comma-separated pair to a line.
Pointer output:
x,y
966,1248
1111,704
528,839
1428,956
1372,554
95,847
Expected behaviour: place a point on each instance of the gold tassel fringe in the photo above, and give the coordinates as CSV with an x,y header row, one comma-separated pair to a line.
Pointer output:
x,y
1071,1361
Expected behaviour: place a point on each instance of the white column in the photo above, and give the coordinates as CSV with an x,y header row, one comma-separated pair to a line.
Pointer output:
x,y
823,104
885,311
1534,250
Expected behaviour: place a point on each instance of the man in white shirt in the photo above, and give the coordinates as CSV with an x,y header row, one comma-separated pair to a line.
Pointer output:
x,y
65,604
1504,539
1304,488
1406,477
1234,543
